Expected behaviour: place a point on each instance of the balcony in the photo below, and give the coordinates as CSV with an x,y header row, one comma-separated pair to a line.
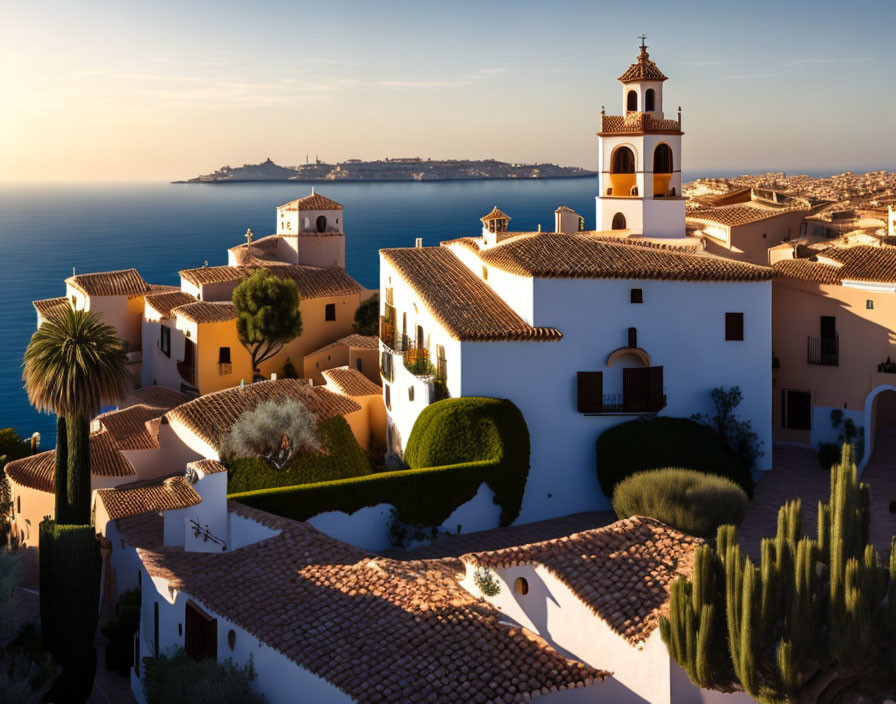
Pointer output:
x,y
823,351
388,333
620,404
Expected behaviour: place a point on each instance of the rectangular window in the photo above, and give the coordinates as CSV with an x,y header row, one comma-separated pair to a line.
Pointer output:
x,y
330,311
359,364
224,355
387,394
590,388
165,340
796,409
869,304
734,326
201,637
410,393
637,295
828,326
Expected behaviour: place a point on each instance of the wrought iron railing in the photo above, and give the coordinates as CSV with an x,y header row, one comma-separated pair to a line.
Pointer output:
x,y
620,403
824,351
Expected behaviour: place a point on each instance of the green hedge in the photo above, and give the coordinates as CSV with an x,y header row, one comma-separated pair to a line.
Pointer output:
x,y
657,443
179,679
467,441
70,565
343,458
691,501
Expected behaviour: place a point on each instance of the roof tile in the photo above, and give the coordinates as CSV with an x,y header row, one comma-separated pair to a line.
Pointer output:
x,y
124,282
351,382
154,495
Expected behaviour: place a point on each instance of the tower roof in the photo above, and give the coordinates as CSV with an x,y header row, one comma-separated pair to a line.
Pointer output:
x,y
313,202
643,69
496,214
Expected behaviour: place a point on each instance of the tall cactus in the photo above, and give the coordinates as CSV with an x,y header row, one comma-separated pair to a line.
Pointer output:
x,y
815,616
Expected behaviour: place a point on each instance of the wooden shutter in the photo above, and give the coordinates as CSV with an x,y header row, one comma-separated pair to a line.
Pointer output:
x,y
590,387
734,326
634,389
654,388
201,633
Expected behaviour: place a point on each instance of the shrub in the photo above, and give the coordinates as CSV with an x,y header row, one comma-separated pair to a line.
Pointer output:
x,y
120,630
693,502
341,458
737,434
455,446
70,565
847,433
275,430
367,316
179,679
656,443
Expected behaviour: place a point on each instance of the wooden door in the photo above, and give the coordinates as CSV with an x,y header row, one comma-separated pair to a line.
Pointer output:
x,y
200,633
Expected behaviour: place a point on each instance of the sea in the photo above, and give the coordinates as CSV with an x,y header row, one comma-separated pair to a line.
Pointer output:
x,y
49,230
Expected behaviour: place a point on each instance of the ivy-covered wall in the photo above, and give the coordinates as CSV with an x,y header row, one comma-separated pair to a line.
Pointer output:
x,y
456,445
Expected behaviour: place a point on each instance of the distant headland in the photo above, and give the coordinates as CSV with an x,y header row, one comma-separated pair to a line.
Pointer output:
x,y
407,169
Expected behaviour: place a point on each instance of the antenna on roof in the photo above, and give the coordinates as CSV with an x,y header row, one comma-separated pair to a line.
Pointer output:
x,y
73,271
205,264
312,190
242,384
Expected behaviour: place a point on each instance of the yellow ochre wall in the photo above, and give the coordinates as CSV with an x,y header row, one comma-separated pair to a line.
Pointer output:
x,y
865,336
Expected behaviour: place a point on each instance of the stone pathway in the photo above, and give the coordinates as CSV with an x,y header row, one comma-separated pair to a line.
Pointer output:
x,y
797,473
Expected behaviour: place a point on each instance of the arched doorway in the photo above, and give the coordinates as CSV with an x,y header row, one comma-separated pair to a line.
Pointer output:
x,y
880,424
650,100
619,221
662,169
631,101
622,171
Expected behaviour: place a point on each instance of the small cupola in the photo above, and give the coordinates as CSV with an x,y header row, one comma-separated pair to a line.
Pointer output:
x,y
643,85
494,225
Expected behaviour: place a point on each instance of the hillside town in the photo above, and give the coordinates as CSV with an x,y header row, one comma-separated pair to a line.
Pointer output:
x,y
645,462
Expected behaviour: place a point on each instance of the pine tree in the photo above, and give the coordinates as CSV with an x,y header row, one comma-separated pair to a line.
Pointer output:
x,y
811,621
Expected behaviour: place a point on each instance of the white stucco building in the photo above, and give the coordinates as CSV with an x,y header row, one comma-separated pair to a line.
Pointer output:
x,y
581,330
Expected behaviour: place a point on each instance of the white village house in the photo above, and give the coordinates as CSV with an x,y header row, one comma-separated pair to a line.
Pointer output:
x,y
581,330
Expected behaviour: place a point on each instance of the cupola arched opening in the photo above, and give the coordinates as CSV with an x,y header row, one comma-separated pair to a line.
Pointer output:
x,y
619,221
631,101
321,223
623,161
662,159
650,100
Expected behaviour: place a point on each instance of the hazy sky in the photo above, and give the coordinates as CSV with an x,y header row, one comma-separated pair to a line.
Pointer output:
x,y
164,90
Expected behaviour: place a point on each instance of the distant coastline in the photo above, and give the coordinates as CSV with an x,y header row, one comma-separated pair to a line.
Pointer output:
x,y
414,169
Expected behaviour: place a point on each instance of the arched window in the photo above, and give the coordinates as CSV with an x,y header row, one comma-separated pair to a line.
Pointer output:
x,y
521,586
631,101
321,223
619,221
662,159
650,100
623,161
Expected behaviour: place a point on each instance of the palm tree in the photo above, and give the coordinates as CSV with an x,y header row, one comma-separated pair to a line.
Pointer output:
x,y
73,364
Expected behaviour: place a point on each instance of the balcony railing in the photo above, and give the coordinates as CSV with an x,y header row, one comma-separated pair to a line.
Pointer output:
x,y
618,404
388,333
824,351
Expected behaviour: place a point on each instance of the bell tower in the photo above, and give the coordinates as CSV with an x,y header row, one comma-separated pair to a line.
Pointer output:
x,y
639,156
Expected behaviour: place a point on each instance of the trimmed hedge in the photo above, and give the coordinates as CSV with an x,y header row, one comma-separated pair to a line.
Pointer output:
x,y
657,443
467,440
179,679
70,565
693,502
342,459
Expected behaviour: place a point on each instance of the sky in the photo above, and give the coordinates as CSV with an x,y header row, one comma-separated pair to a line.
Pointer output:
x,y
161,90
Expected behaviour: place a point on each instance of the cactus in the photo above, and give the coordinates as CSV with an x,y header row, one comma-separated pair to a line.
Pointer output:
x,y
814,617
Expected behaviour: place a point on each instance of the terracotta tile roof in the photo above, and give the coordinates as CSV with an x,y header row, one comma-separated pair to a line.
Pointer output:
x,y
313,202
51,306
351,382
642,70
162,288
564,209
160,396
143,530
575,256
637,123
211,417
126,282
313,282
465,306
622,572
471,243
734,215
864,263
39,471
805,270
495,214
206,312
128,426
364,342
153,495
215,274
207,466
378,629
165,302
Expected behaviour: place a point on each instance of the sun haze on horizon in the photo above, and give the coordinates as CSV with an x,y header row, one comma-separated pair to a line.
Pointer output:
x,y
114,91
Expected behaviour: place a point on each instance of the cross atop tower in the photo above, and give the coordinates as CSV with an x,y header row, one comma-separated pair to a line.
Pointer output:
x,y
643,38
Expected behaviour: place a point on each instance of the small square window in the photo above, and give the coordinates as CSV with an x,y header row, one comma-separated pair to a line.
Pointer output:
x,y
330,311
734,326
637,295
224,355
869,304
